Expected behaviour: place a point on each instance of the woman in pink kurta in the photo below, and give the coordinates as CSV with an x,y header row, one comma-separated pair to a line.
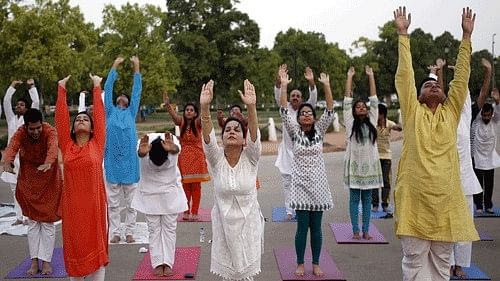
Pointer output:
x,y
84,209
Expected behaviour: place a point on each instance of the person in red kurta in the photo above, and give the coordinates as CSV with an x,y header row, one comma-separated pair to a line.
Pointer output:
x,y
84,209
39,185
192,163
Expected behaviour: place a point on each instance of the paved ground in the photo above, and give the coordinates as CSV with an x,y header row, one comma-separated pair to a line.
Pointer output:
x,y
357,262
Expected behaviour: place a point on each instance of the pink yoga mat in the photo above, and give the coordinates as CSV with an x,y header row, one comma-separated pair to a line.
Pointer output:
x,y
204,215
343,234
186,261
286,259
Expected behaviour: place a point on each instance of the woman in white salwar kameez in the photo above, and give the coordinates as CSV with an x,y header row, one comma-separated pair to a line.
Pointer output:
x,y
237,222
160,197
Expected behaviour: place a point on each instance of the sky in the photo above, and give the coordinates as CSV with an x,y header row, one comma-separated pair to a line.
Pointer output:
x,y
344,21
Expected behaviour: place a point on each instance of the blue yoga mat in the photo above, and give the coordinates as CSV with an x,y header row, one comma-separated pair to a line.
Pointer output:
x,y
496,214
279,215
58,270
473,273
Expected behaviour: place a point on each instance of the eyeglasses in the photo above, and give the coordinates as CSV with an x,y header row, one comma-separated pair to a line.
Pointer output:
x,y
306,113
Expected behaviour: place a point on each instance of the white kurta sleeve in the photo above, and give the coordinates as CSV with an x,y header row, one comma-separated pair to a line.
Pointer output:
x,y
373,113
348,118
290,127
253,149
212,150
35,99
324,122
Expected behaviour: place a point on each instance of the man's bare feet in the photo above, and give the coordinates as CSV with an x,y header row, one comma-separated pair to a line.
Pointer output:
x,y
33,268
17,222
158,271
194,217
129,238
167,271
289,217
366,236
317,270
300,270
356,236
185,216
115,239
46,268
458,272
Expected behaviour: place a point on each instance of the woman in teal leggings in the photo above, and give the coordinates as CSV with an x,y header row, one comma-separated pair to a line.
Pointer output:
x,y
310,194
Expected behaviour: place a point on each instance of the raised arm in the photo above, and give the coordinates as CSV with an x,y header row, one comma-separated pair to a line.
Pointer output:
x,y
496,106
35,99
249,98
459,85
284,85
62,115
206,96
405,77
277,88
313,92
176,118
99,114
440,63
110,83
7,101
371,80
348,82
136,87
483,95
325,80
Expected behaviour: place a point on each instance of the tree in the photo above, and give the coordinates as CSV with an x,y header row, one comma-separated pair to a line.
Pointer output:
x,y
227,41
134,30
46,41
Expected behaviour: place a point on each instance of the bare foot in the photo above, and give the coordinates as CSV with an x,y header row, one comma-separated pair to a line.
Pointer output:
x,y
115,239
366,236
194,217
185,216
17,222
167,271
33,268
300,270
317,270
129,239
46,268
458,272
356,236
158,271
289,217
25,222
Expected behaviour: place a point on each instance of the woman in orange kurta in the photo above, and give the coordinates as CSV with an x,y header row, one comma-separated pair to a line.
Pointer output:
x,y
191,161
84,209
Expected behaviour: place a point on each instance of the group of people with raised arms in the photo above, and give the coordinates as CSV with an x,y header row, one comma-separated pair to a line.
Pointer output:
x,y
103,161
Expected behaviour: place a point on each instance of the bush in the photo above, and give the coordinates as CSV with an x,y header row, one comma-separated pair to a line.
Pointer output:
x,y
264,133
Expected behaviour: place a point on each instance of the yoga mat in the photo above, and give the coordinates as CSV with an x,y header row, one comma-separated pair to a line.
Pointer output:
x,y
287,263
141,234
58,270
486,215
204,215
343,234
279,215
473,273
186,261
7,211
484,237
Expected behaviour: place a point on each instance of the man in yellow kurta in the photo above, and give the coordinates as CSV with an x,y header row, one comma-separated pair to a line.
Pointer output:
x,y
430,209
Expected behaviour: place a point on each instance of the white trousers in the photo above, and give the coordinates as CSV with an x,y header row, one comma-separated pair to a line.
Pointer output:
x,y
97,275
17,208
162,237
462,251
425,260
115,192
287,186
41,239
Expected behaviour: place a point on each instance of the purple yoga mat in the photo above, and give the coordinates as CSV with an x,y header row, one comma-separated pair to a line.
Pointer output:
x,y
58,270
484,237
186,261
286,259
343,234
204,215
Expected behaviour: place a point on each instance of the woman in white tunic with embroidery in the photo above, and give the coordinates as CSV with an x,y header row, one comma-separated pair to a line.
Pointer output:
x,y
237,222
160,197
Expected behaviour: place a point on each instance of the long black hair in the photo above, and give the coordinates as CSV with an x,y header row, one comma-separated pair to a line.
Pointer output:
x,y
311,133
72,133
358,124
193,123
